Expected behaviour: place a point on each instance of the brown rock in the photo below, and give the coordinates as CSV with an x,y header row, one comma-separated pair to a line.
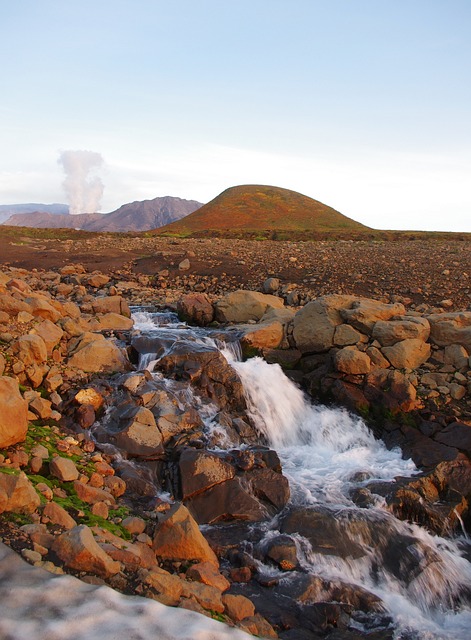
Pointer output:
x,y
266,335
58,515
242,306
200,470
50,332
238,607
116,486
163,583
177,537
364,313
345,335
134,525
206,573
388,332
111,304
138,434
314,325
451,328
89,396
63,468
17,494
196,308
99,355
30,350
407,354
14,413
92,494
351,361
208,597
77,549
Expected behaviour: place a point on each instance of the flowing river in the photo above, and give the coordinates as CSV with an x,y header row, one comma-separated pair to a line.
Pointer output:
x,y
327,454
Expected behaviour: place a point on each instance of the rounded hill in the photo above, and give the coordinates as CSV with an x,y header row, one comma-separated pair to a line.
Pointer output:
x,y
262,210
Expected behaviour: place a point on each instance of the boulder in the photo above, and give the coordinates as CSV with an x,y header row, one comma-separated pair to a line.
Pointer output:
x,y
42,308
225,502
17,494
169,587
364,313
78,550
242,306
97,280
195,308
238,607
458,435
111,304
271,285
345,335
407,354
208,597
14,413
12,306
136,432
58,515
457,356
92,495
451,328
390,389
200,470
282,550
314,325
30,350
111,322
266,335
99,356
177,537
351,361
388,332
50,332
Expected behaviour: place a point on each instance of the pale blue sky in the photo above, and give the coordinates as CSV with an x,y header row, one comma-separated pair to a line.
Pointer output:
x,y
362,104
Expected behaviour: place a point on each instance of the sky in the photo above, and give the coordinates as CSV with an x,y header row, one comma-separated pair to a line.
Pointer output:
x,y
364,105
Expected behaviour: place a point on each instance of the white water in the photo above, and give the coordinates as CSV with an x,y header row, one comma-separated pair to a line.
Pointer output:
x,y
321,450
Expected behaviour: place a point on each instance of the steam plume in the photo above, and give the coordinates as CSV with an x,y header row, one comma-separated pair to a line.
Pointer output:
x,y
84,189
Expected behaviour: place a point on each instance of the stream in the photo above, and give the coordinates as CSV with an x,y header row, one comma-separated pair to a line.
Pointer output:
x,y
327,454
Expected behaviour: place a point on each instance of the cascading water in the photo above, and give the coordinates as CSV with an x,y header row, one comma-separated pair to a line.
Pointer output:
x,y
327,454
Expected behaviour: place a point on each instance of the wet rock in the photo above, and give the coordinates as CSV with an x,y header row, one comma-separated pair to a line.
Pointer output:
x,y
390,389
266,335
457,435
282,550
225,502
270,487
134,430
200,470
196,308
14,413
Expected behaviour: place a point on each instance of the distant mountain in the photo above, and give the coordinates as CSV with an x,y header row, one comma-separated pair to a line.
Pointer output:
x,y
144,215
7,210
135,216
255,209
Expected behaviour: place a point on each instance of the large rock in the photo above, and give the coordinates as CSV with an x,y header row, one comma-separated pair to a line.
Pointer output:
x,y
388,332
242,306
200,470
13,414
136,432
364,313
42,308
451,328
407,354
111,321
12,306
266,335
99,355
177,537
208,370
30,349
390,389
351,361
78,550
17,494
50,332
196,308
111,304
314,325
226,501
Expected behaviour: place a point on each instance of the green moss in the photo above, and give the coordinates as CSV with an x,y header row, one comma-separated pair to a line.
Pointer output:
x,y
9,471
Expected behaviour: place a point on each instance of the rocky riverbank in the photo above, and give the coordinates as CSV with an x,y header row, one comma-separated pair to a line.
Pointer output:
x,y
69,358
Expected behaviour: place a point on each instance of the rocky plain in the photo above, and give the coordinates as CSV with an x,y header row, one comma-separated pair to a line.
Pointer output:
x,y
380,327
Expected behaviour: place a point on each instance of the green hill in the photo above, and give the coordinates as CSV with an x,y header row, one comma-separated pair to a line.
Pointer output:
x,y
262,211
